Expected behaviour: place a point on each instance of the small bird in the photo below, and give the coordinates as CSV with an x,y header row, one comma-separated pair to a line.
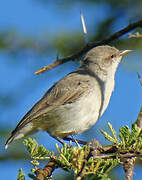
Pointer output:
x,y
77,101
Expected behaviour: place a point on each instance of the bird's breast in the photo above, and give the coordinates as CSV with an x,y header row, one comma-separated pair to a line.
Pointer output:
x,y
107,90
79,116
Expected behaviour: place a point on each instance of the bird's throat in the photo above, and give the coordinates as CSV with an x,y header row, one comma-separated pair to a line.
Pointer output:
x,y
107,90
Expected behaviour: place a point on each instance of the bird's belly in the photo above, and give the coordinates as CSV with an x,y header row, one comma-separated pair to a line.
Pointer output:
x,y
76,117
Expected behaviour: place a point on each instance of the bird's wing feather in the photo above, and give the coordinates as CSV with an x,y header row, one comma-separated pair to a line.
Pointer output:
x,y
67,90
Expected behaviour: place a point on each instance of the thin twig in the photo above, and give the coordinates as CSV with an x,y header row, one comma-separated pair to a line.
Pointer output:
x,y
140,78
136,35
84,28
138,122
89,46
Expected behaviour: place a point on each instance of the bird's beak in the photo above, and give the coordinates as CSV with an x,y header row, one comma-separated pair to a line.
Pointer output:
x,y
125,52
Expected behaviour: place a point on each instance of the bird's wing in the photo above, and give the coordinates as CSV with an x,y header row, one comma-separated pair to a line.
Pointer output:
x,y
67,90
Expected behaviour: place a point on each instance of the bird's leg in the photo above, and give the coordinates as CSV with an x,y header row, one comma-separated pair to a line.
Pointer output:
x,y
74,140
59,140
69,139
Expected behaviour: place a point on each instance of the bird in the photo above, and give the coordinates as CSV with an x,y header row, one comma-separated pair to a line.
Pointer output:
x,y
74,103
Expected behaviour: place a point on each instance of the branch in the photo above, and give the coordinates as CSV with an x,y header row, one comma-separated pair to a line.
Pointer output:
x,y
128,166
89,46
138,121
41,174
129,163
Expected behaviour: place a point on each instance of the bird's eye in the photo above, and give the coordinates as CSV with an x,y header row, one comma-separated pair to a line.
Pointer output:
x,y
112,56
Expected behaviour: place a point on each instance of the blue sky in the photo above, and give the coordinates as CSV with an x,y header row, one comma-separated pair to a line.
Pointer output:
x,y
33,18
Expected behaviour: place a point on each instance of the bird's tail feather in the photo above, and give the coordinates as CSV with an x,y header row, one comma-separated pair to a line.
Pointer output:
x,y
9,140
14,136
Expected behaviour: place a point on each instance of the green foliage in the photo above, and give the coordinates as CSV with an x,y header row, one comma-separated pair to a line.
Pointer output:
x,y
36,152
130,139
87,161
21,175
74,158
71,158
112,138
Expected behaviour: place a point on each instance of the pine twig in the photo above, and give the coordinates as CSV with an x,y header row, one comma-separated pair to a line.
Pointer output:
x,y
95,148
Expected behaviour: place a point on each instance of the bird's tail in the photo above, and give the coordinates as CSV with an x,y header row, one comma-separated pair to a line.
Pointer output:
x,y
9,140
14,136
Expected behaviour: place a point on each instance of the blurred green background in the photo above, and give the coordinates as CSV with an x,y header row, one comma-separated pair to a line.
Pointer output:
x,y
32,34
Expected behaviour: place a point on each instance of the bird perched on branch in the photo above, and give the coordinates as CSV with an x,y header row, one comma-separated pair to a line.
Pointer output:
x,y
76,102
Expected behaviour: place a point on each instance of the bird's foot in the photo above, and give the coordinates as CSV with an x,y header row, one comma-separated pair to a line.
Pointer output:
x,y
77,141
